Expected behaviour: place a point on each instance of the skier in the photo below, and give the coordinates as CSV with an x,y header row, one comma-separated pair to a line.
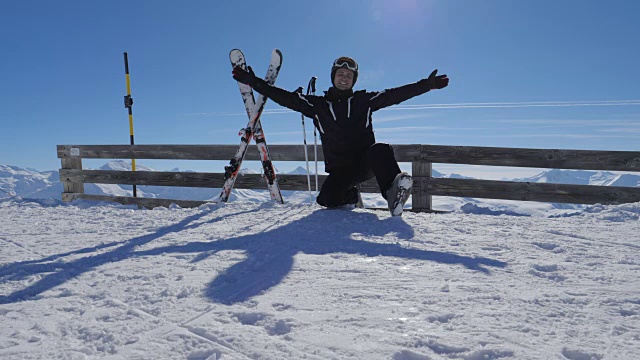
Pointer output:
x,y
344,119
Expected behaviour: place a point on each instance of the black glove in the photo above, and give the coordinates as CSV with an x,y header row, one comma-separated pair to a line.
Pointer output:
x,y
244,76
437,81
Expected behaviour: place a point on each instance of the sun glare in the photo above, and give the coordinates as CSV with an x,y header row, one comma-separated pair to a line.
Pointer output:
x,y
399,14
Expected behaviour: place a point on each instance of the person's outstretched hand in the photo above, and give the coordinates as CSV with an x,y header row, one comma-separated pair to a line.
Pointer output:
x,y
244,76
438,81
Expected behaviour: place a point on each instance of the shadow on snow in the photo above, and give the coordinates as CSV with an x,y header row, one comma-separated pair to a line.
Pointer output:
x,y
269,254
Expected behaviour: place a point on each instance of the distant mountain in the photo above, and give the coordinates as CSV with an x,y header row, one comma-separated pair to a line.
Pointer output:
x,y
626,180
301,171
22,181
454,176
122,165
248,171
584,177
32,184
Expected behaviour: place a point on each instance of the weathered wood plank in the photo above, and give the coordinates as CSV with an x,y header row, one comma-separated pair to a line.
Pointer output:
x,y
524,191
149,203
405,153
192,179
538,158
423,186
185,152
472,155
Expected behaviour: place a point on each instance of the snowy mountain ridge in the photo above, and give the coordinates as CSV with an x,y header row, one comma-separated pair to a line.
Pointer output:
x,y
584,177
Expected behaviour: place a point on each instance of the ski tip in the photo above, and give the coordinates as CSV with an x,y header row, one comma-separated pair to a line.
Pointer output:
x,y
237,57
277,51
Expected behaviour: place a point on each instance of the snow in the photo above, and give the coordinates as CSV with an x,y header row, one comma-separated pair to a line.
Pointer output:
x,y
258,280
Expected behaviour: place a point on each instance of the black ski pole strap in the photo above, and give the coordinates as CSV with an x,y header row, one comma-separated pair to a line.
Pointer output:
x,y
312,85
128,101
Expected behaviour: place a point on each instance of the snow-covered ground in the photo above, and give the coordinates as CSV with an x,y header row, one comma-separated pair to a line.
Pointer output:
x,y
250,280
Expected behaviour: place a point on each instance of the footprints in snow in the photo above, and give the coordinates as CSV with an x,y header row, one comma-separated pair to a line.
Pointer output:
x,y
580,355
441,348
274,327
549,246
548,271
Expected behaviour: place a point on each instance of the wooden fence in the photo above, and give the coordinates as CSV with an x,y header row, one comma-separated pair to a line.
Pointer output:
x,y
73,176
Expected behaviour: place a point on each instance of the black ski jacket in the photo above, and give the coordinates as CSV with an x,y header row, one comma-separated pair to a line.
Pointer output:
x,y
343,118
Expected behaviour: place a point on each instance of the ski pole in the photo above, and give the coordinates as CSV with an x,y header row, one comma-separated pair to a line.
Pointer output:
x,y
312,85
315,154
306,155
128,103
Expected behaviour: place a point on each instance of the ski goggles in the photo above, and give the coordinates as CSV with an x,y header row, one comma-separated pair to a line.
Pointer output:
x,y
346,62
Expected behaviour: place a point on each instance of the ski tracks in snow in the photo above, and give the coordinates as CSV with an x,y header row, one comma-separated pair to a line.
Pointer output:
x,y
249,281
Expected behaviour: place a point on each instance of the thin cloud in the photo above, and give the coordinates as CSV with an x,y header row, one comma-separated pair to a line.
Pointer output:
x,y
405,133
384,119
622,130
593,125
560,122
517,105
561,135
414,129
272,111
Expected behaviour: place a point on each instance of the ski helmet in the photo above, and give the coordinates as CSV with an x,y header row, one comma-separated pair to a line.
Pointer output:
x,y
346,63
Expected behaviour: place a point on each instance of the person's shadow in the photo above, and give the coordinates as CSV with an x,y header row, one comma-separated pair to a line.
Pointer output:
x,y
269,254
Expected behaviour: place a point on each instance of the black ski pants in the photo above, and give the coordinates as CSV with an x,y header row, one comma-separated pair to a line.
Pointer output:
x,y
340,186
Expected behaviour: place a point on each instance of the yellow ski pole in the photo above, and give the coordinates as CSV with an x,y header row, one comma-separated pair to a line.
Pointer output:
x,y
128,103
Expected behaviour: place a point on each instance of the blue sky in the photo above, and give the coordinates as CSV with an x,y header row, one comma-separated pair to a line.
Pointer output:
x,y
543,74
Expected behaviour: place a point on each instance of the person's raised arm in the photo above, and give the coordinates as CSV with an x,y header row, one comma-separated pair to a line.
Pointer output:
x,y
291,100
397,95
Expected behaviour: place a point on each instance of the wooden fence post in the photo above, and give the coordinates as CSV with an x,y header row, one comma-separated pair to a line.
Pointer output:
x,y
70,187
421,171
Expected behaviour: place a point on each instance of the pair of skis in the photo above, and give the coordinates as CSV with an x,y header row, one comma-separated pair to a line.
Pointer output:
x,y
253,129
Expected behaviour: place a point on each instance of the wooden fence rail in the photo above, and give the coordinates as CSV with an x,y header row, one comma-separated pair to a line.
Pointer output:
x,y
73,176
